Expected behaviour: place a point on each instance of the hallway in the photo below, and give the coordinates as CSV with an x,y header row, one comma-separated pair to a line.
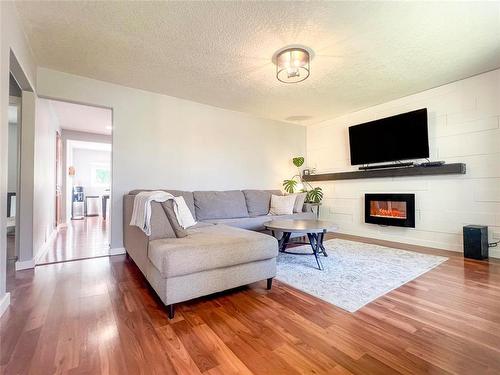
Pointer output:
x,y
81,239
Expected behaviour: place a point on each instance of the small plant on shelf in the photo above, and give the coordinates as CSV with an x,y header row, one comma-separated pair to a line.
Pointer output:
x,y
298,184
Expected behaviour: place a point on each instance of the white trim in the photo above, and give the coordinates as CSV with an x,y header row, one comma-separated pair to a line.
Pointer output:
x,y
4,303
117,251
25,265
45,247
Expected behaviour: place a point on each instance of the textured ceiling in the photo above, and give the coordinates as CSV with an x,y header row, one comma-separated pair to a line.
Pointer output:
x,y
83,118
220,53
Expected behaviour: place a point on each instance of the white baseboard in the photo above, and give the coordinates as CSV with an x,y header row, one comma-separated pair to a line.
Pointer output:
x,y
4,303
25,264
117,251
45,247
493,252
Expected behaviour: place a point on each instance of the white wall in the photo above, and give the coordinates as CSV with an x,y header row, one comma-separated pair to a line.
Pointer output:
x,y
161,141
463,127
46,128
12,39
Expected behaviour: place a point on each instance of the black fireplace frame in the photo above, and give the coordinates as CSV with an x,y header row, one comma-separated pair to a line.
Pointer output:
x,y
409,222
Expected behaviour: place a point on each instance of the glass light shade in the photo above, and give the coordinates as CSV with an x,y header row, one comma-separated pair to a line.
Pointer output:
x,y
292,65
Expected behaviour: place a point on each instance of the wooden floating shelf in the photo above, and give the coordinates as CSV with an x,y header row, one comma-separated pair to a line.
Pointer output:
x,y
454,168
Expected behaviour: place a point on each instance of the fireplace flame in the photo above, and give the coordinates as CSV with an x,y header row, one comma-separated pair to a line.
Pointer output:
x,y
395,210
388,213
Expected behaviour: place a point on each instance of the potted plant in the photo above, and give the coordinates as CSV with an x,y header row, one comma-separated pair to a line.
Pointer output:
x,y
298,184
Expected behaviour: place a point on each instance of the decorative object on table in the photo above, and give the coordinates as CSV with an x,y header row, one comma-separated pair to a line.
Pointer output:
x,y
297,183
305,172
314,229
355,273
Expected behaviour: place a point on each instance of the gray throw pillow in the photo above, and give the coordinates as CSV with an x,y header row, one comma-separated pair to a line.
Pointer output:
x,y
168,207
299,202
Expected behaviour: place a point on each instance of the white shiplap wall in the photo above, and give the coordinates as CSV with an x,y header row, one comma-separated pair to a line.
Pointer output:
x,y
464,126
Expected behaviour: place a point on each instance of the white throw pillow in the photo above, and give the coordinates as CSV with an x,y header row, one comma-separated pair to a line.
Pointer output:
x,y
282,204
184,216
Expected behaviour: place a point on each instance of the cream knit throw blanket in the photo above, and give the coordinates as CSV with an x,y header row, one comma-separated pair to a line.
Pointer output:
x,y
141,213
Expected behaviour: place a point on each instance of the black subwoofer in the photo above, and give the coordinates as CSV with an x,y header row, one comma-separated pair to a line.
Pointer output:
x,y
476,241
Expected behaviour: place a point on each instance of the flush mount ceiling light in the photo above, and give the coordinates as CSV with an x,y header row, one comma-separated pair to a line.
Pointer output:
x,y
293,65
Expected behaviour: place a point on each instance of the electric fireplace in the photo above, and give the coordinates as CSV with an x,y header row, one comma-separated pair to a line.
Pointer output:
x,y
390,209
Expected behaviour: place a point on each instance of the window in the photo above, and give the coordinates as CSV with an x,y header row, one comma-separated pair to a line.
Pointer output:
x,y
101,175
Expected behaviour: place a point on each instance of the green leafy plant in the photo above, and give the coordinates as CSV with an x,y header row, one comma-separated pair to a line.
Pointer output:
x,y
289,186
298,161
314,195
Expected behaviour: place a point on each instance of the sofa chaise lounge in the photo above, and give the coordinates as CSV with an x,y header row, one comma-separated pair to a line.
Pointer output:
x,y
227,248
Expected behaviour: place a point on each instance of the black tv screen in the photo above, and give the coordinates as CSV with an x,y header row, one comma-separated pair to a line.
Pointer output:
x,y
393,138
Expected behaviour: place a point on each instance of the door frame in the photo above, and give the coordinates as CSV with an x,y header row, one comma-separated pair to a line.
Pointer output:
x,y
65,167
58,180
25,189
17,101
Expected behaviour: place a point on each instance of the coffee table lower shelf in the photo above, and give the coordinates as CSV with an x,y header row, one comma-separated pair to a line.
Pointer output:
x,y
315,240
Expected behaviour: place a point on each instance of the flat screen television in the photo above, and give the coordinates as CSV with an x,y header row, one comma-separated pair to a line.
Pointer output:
x,y
399,137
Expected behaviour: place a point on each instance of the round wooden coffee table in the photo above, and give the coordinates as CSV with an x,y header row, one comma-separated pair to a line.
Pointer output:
x,y
314,229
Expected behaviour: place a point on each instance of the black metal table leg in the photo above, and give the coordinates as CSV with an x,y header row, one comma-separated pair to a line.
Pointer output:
x,y
321,237
315,231
313,240
318,238
284,241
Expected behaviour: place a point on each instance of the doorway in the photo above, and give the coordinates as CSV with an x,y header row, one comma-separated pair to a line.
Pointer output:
x,y
59,180
83,154
13,147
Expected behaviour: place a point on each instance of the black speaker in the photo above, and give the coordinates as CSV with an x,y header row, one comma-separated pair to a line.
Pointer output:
x,y
476,241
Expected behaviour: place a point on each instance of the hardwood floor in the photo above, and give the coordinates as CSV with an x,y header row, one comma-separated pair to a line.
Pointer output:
x,y
81,239
98,316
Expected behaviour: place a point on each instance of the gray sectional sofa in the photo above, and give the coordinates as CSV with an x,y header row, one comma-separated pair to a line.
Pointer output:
x,y
227,248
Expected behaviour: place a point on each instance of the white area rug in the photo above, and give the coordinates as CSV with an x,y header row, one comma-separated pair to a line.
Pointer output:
x,y
354,273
